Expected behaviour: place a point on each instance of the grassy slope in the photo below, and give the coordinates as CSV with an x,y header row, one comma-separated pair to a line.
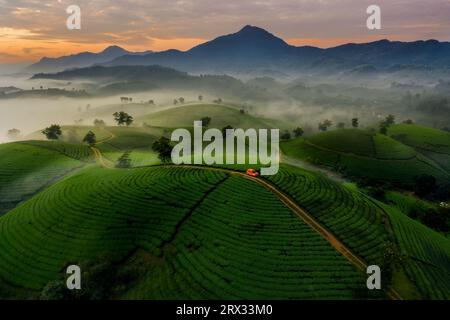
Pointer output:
x,y
221,116
426,255
433,143
219,253
137,141
364,154
366,226
73,133
27,167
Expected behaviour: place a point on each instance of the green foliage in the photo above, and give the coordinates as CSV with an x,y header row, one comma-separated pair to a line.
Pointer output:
x,y
28,167
348,214
13,134
205,121
116,211
242,243
53,132
298,132
99,123
222,115
124,161
90,138
363,155
324,125
421,248
425,184
285,135
164,149
123,118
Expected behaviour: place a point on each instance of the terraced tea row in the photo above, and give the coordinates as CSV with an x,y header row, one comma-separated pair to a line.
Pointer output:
x,y
347,214
242,243
25,169
426,254
94,211
72,150
364,155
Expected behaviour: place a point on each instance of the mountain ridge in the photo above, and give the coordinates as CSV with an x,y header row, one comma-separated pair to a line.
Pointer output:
x,y
253,48
80,60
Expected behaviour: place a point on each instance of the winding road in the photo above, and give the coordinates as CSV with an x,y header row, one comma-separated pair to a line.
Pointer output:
x,y
353,258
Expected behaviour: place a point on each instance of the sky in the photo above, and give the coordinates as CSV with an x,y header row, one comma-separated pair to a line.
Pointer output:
x,y
31,29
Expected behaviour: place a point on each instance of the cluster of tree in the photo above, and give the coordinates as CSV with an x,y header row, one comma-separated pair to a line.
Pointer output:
x,y
436,219
53,132
425,184
298,132
99,123
285,135
14,134
218,101
164,149
179,100
205,121
90,138
386,123
324,125
123,118
126,99
124,161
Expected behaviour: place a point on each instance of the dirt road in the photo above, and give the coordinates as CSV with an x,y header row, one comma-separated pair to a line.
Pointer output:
x,y
358,262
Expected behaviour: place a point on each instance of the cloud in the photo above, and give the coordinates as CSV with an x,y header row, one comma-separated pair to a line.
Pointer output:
x,y
137,23
6,55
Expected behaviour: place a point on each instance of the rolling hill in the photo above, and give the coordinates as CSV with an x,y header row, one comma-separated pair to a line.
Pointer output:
x,y
188,246
80,60
128,79
30,166
168,232
363,154
221,115
433,143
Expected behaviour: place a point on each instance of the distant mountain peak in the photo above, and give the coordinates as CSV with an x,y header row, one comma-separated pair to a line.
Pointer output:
x,y
114,49
250,28
250,31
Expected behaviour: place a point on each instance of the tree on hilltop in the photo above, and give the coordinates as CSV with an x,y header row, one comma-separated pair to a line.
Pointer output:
x,y
13,134
205,121
323,126
298,132
53,132
123,118
90,138
164,149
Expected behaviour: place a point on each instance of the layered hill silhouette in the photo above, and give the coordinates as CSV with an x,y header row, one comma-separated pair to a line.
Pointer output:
x,y
80,60
253,48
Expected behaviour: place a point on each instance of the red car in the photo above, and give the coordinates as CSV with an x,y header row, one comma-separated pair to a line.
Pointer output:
x,y
253,172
